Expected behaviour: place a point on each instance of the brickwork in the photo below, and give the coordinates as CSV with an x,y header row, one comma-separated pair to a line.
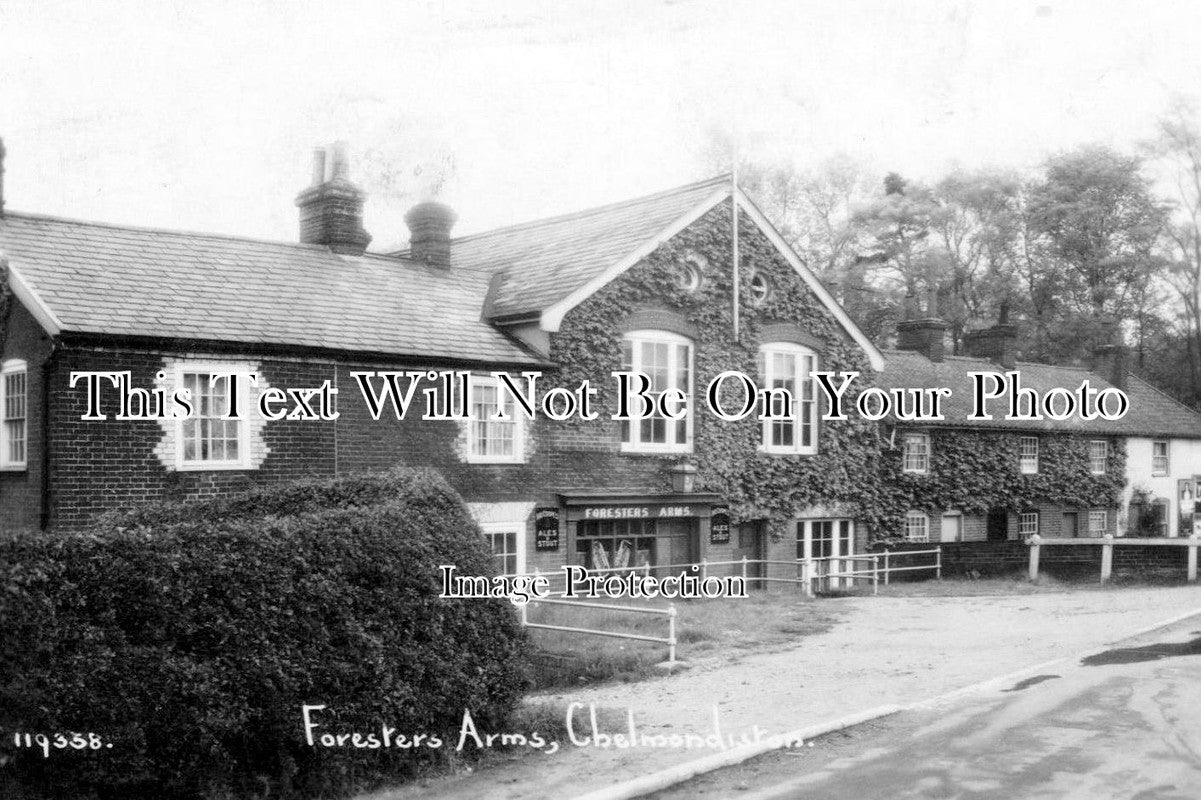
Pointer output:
x,y
21,489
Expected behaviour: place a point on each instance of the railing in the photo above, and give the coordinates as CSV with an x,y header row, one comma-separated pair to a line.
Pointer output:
x,y
669,612
1107,543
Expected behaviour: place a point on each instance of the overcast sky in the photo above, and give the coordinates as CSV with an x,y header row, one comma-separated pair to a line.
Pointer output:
x,y
203,115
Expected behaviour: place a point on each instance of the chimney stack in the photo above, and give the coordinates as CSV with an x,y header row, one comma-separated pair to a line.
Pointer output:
x,y
331,208
429,232
1111,359
925,336
998,344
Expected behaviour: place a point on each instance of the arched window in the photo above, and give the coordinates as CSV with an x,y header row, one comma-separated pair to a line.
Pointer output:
x,y
793,411
666,360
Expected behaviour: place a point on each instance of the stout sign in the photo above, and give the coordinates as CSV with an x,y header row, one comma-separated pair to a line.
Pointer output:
x,y
719,526
546,529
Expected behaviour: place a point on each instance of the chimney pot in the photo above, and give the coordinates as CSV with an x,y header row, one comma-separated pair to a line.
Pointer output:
x,y
429,232
318,166
341,162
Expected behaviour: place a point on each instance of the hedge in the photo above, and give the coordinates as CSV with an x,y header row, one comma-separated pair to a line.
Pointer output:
x,y
188,636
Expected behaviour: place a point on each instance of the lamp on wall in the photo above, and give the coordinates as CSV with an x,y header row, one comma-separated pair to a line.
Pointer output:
x,y
683,477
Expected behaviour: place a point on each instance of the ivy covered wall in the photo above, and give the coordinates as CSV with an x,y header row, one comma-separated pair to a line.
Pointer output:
x,y
855,467
974,471
775,487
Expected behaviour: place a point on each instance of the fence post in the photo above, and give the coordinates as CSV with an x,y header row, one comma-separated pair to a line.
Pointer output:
x,y
524,619
807,577
875,574
671,633
744,570
1106,557
1192,557
1034,547
886,569
938,563
704,568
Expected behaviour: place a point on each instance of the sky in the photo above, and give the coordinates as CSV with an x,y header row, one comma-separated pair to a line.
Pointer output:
x,y
203,114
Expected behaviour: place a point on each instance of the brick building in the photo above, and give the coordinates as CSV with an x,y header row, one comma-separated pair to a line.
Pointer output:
x,y
643,285
995,480
646,285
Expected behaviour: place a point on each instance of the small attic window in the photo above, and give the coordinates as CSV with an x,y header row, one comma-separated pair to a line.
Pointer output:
x,y
760,288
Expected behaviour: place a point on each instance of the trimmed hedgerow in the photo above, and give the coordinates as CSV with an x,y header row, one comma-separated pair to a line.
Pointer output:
x,y
190,636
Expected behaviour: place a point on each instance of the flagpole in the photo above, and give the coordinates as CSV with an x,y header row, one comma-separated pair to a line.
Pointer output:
x,y
734,212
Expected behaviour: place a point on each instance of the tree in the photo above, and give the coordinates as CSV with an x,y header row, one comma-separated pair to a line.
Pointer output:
x,y
1178,147
1096,209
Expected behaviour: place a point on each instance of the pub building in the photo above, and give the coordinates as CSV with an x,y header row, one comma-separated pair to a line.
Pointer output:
x,y
680,286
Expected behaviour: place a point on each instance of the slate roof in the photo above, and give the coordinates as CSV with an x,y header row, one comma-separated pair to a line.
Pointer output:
x,y
1152,413
546,260
121,281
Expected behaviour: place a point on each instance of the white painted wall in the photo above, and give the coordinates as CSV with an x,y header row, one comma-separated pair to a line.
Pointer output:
x,y
1184,461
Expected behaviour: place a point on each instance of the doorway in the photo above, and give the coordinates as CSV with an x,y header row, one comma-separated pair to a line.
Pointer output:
x,y
998,525
952,528
752,545
824,541
1071,525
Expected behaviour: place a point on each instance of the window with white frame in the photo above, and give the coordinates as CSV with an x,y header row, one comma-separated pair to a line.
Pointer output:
x,y
666,359
915,453
1028,523
1159,458
1028,454
14,403
1098,453
917,527
790,367
208,438
493,439
503,544
1098,521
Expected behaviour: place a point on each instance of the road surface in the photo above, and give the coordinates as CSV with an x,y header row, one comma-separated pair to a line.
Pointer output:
x,y
1122,724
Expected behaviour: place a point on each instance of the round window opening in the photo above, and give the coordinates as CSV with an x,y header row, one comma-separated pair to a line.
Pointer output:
x,y
760,289
687,276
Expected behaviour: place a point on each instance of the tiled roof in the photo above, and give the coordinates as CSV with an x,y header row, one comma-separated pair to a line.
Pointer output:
x,y
1152,413
544,261
121,281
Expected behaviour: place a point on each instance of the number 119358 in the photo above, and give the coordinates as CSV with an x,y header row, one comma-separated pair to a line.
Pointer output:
x,y
60,741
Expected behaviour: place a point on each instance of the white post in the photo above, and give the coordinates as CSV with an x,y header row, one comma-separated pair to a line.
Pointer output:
x,y
886,570
744,570
807,576
1106,557
1034,547
671,633
704,569
524,619
875,574
1192,557
938,562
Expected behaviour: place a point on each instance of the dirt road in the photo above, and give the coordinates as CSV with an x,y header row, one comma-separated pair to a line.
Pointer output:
x,y
888,650
1120,724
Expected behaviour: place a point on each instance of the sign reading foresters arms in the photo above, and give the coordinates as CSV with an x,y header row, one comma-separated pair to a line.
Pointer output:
x,y
642,511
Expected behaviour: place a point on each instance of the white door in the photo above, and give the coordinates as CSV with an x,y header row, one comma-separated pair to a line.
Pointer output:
x,y
952,528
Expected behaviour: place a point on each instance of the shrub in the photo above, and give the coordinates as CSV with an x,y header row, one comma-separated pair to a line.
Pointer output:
x,y
188,636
